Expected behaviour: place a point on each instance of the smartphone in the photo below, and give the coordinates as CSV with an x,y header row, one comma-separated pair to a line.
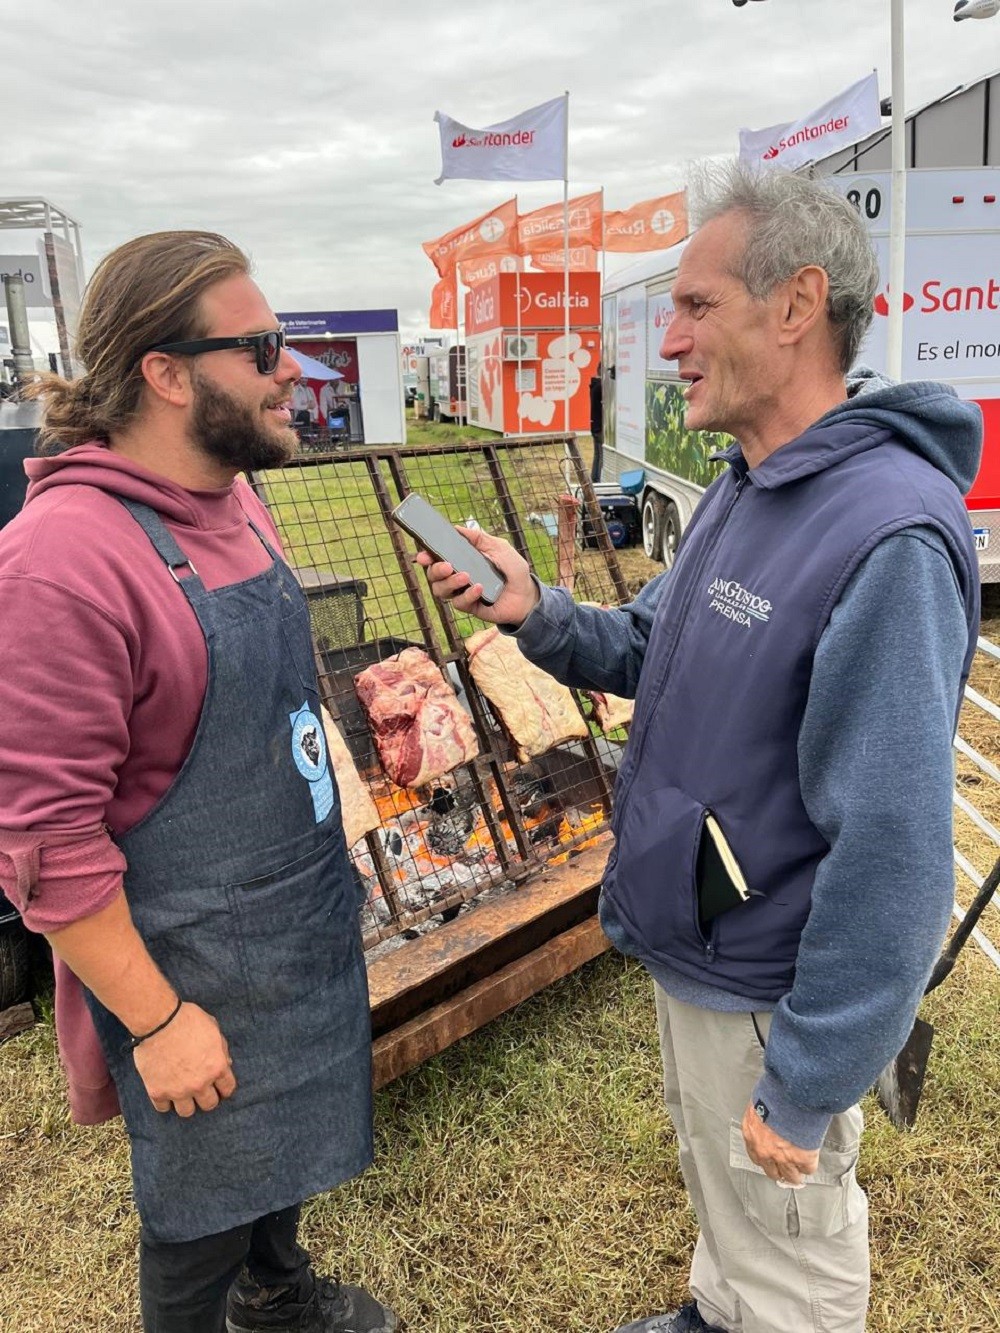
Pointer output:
x,y
436,535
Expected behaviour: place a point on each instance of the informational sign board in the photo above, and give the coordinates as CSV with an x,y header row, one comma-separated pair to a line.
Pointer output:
x,y
30,268
630,372
951,300
659,312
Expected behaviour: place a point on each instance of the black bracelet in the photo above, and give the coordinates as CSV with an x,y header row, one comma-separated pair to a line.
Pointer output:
x,y
133,1042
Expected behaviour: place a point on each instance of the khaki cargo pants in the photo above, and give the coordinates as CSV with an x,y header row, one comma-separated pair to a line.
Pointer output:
x,y
768,1259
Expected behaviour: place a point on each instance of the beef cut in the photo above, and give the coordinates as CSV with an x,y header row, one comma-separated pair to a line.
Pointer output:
x,y
611,710
420,729
357,807
537,711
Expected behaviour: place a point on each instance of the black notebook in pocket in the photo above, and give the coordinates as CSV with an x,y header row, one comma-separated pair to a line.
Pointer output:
x,y
720,885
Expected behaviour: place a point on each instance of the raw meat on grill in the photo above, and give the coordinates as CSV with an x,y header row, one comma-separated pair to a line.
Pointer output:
x,y
420,729
357,807
537,711
611,710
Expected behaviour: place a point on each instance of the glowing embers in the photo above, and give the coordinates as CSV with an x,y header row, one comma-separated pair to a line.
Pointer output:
x,y
439,851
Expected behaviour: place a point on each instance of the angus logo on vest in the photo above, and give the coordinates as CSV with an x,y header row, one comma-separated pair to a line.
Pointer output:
x,y
309,755
730,599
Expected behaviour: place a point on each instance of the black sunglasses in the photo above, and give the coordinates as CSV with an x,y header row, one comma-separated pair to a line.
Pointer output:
x,y
267,347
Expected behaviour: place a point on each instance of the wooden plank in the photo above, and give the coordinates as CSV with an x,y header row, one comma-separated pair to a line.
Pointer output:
x,y
484,928
432,1032
18,1018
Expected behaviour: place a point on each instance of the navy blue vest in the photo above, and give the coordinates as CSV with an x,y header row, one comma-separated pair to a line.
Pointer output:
x,y
723,689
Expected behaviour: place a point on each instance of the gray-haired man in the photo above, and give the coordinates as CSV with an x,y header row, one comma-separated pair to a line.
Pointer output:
x,y
797,677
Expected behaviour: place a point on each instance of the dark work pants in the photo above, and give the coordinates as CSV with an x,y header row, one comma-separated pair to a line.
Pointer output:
x,y
183,1286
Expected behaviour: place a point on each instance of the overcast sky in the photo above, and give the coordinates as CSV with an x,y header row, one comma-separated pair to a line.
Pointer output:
x,y
304,130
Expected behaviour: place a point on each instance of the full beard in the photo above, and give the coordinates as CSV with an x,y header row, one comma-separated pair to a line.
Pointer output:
x,y
228,431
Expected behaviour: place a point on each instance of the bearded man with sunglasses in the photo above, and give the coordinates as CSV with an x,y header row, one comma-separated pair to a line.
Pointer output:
x,y
167,822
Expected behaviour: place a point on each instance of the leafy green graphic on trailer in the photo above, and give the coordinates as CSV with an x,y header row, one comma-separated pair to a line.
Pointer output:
x,y
672,448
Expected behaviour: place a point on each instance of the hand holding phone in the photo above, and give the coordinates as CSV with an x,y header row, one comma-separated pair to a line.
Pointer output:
x,y
443,541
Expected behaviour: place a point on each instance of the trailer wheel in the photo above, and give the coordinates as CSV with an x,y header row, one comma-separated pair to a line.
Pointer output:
x,y
14,965
671,534
652,525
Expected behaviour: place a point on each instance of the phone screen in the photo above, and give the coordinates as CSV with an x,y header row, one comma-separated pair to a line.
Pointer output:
x,y
436,535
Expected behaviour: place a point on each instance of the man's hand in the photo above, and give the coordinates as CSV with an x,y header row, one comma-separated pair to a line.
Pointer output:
x,y
187,1065
779,1159
450,585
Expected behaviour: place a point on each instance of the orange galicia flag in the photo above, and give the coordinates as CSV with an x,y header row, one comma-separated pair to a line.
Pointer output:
x,y
471,272
655,224
492,233
444,304
543,229
581,257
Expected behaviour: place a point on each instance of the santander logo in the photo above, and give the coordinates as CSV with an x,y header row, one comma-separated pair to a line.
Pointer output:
x,y
882,305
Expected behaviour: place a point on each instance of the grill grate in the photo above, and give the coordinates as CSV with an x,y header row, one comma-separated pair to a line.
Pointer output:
x,y
494,821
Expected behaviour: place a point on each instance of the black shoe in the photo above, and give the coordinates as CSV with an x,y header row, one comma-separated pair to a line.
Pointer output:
x,y
333,1307
685,1320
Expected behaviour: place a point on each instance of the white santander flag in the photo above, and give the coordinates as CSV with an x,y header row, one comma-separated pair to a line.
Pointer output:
x,y
846,118
528,147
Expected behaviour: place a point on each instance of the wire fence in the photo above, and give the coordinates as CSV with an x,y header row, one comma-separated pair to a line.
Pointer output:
x,y
512,804
502,813
972,799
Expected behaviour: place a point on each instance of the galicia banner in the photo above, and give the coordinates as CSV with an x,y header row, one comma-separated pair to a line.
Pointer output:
x,y
654,224
528,147
582,259
493,233
545,228
852,115
444,304
471,272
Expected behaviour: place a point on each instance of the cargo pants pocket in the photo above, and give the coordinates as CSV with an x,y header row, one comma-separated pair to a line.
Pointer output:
x,y
830,1201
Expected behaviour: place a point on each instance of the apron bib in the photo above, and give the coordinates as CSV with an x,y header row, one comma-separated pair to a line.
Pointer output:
x,y
240,886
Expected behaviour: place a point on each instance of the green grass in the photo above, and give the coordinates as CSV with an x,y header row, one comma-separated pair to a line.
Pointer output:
x,y
527,1179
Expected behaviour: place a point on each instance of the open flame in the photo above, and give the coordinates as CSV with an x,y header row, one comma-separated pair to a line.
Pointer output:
x,y
433,847
570,830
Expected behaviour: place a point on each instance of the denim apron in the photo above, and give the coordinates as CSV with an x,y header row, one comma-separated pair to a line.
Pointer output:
x,y
240,886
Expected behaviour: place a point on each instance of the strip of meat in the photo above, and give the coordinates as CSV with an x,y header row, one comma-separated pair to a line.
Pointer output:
x,y
611,710
420,729
537,711
357,807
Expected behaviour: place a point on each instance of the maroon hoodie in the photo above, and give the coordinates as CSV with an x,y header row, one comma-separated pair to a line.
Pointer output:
x,y
102,677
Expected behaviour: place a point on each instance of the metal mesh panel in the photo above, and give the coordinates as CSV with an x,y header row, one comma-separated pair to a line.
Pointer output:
x,y
496,819
336,607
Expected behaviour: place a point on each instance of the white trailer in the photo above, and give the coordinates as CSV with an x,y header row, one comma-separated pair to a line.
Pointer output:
x,y
951,332
643,405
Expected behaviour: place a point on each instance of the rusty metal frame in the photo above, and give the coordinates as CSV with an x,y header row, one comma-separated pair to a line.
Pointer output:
x,y
386,469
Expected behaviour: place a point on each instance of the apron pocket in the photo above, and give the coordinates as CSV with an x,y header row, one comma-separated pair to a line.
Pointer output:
x,y
830,1201
288,953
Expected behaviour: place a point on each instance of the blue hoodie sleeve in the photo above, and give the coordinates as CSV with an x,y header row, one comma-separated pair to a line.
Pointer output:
x,y
877,773
588,647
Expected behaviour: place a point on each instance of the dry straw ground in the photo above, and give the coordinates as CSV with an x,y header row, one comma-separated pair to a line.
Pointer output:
x,y
527,1179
